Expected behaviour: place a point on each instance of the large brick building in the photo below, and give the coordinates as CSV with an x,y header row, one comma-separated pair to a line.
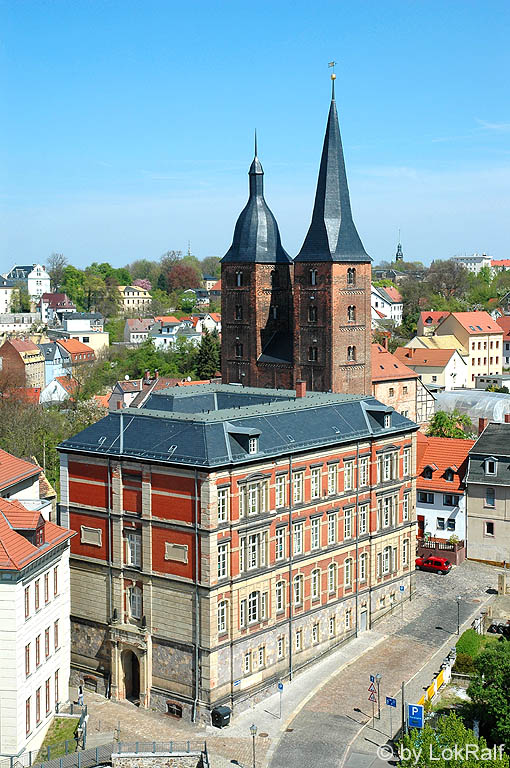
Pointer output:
x,y
228,535
307,319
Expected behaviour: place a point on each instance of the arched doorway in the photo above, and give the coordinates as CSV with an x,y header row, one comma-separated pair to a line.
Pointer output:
x,y
131,667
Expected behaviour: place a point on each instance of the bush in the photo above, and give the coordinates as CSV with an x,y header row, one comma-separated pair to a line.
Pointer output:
x,y
469,643
464,664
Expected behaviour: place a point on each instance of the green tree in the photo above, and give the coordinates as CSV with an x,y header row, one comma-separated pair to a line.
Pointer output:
x,y
490,691
211,266
20,299
162,283
454,424
73,284
448,278
208,357
435,747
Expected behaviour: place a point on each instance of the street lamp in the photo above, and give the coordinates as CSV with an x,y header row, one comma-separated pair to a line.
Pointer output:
x,y
378,681
459,598
253,731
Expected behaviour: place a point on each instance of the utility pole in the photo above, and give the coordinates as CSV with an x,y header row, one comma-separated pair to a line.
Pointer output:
x,y
403,710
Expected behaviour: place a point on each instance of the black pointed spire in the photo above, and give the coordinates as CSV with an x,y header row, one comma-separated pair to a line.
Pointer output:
x,y
332,235
256,234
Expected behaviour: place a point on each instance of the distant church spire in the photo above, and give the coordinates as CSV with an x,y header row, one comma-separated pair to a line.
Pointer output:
x,y
399,256
332,235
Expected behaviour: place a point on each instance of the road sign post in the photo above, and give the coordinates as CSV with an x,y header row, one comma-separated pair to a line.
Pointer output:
x,y
391,703
402,590
372,697
280,691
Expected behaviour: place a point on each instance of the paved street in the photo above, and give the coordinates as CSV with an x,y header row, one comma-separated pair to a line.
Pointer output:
x,y
325,707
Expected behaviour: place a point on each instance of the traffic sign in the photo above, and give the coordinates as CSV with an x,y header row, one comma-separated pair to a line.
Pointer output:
x,y
391,702
415,715
372,697
280,686
371,688
372,678
237,682
402,588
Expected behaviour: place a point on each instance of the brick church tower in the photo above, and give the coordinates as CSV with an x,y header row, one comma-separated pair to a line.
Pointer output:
x,y
332,279
307,319
256,297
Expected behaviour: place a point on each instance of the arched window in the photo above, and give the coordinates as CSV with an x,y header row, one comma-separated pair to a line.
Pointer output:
x,y
275,279
222,617
280,596
348,572
351,353
313,354
331,577
239,350
313,277
312,313
363,562
316,584
253,607
239,279
351,312
135,602
351,276
298,590
239,312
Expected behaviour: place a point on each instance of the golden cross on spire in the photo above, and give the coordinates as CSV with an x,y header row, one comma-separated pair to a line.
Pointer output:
x,y
333,78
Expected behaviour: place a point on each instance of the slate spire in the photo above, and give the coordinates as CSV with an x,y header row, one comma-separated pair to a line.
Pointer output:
x,y
256,235
332,235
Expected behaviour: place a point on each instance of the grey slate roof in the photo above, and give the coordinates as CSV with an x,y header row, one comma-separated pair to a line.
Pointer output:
x,y
5,283
494,442
83,316
50,350
332,235
208,425
256,234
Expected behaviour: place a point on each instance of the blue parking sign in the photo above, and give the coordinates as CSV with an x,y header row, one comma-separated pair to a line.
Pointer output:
x,y
415,715
391,702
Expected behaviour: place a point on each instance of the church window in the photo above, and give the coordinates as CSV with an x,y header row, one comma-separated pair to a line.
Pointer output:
x,y
275,279
313,277
239,312
239,350
312,314
239,279
351,353
274,312
313,354
351,276
351,312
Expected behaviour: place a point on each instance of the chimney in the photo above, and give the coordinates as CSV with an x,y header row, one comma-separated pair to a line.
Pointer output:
x,y
507,418
156,374
120,404
300,388
146,376
482,423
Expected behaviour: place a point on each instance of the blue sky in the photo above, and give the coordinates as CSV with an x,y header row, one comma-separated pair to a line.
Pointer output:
x,y
126,128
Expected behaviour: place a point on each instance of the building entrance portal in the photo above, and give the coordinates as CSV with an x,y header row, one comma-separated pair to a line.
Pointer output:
x,y
131,667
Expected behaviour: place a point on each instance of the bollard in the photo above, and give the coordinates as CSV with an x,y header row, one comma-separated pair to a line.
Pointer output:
x,y
188,746
48,752
97,755
79,759
60,763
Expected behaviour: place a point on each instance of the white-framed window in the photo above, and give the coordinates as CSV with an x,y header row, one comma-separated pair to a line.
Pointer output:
x,y
135,602
297,546
257,549
134,549
242,554
315,633
363,566
253,445
394,559
348,475
253,607
386,560
316,482
264,606
348,523
332,626
222,505
280,596
332,528
281,647
242,613
405,552
363,471
363,519
315,538
299,639
254,498
405,507
332,479
407,462
387,420
222,560
387,466
261,656
490,467
332,577
297,484
387,511
348,572
298,589
348,618
222,617
280,543
280,486
247,663
316,584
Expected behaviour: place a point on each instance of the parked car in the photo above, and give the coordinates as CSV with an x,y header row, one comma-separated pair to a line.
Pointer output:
x,y
434,564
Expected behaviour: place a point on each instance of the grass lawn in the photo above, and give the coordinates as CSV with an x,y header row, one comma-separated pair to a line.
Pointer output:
x,y
61,730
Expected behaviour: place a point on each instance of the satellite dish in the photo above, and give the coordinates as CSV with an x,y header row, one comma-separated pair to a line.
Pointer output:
x,y
126,377
189,378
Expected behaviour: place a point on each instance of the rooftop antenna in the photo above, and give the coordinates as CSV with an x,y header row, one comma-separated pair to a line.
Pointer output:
x,y
256,153
189,248
332,64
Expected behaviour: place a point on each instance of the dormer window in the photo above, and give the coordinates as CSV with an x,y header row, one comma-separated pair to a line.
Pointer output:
x,y
39,536
427,473
490,466
387,420
448,475
253,445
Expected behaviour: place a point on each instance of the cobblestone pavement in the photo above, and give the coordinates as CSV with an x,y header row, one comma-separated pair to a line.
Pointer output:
x,y
319,731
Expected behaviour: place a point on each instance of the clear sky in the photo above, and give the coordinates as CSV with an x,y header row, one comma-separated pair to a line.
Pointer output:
x,y
126,128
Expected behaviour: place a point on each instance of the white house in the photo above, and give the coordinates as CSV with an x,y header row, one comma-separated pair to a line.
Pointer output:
x,y
20,480
59,390
474,263
20,322
6,290
136,329
437,368
386,301
34,276
34,625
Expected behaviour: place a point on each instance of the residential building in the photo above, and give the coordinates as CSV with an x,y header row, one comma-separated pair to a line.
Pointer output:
x,y
33,276
488,495
34,626
504,324
7,287
209,281
78,352
164,334
85,327
500,265
134,392
22,362
387,301
428,322
307,318
53,307
19,322
481,336
390,274
241,533
136,329
24,481
440,489
437,368
59,390
502,380
215,291
134,299
396,385
474,263
57,361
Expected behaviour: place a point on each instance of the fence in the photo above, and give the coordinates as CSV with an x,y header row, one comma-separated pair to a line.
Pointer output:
x,y
89,758
455,551
63,748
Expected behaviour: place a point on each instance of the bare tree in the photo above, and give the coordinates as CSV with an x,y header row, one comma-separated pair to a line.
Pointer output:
x,y
57,262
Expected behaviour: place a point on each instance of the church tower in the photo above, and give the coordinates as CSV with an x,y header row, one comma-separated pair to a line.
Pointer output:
x,y
332,278
256,297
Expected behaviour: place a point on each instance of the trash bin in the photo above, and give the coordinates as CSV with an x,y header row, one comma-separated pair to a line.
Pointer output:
x,y
220,716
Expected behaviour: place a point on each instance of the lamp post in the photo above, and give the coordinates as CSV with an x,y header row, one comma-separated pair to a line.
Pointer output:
x,y
253,731
458,613
378,681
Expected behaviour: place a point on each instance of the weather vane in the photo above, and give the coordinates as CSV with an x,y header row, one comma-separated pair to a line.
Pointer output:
x,y
333,78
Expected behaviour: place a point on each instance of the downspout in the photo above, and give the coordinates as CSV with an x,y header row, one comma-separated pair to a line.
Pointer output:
x,y
290,567
110,577
357,534
231,617
197,608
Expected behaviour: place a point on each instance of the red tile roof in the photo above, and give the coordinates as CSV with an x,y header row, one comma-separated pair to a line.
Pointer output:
x,y
504,324
433,318
477,322
55,300
13,470
386,367
216,286
444,453
168,319
393,293
215,316
27,394
436,358
16,551
23,346
500,262
74,346
140,324
103,401
68,383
